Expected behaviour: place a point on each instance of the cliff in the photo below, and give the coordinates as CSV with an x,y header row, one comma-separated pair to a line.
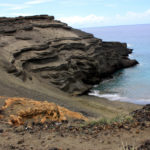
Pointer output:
x,y
56,54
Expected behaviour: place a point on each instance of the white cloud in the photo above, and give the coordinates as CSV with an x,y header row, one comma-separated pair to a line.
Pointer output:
x,y
13,6
19,7
6,5
78,20
94,20
32,2
133,17
23,5
21,14
131,14
111,5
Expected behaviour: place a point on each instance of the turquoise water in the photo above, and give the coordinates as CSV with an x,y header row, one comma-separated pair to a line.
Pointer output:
x,y
131,84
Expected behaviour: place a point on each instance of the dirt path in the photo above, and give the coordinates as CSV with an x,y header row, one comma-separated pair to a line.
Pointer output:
x,y
90,106
76,135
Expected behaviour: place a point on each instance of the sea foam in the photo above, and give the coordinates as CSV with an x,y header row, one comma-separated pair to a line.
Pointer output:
x,y
117,97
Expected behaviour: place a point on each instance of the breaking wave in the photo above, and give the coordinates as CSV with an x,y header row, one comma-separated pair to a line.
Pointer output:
x,y
117,97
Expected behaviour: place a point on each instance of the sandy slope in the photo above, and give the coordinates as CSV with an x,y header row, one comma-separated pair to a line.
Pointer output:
x,y
88,105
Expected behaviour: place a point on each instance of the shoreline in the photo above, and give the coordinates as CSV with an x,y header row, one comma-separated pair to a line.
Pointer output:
x,y
117,97
90,106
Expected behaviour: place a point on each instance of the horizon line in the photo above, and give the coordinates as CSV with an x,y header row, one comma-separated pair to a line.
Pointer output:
x,y
115,26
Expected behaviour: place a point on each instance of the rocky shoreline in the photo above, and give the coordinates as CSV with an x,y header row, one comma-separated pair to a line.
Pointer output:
x,y
51,51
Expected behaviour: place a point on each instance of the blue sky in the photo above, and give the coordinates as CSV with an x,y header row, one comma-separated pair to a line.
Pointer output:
x,y
82,13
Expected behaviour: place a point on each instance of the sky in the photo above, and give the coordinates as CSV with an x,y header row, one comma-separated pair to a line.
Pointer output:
x,y
82,13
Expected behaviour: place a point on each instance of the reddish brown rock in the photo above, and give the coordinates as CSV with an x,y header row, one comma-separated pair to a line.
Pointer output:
x,y
18,111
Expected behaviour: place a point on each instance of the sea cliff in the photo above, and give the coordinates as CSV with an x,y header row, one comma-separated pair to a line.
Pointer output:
x,y
51,51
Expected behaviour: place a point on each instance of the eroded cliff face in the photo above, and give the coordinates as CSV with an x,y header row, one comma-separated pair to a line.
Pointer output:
x,y
51,51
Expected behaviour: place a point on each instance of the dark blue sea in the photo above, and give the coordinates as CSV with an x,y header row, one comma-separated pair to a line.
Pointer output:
x,y
131,84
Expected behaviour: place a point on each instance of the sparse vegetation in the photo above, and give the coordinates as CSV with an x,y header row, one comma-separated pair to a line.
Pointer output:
x,y
125,146
105,121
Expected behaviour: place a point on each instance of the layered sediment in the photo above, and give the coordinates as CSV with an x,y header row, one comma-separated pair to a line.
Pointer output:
x,y
52,52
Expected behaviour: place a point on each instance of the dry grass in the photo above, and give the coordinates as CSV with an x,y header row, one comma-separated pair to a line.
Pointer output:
x,y
119,119
126,146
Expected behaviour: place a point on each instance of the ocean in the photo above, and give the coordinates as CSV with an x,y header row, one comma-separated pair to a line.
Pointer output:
x,y
131,84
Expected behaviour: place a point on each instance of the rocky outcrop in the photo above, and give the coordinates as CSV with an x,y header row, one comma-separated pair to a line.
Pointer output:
x,y
142,114
20,111
57,54
145,145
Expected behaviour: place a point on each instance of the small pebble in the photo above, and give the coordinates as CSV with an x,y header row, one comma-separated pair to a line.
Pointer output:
x,y
1,130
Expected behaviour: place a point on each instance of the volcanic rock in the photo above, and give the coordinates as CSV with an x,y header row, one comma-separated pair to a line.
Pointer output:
x,y
20,111
61,56
143,114
145,146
